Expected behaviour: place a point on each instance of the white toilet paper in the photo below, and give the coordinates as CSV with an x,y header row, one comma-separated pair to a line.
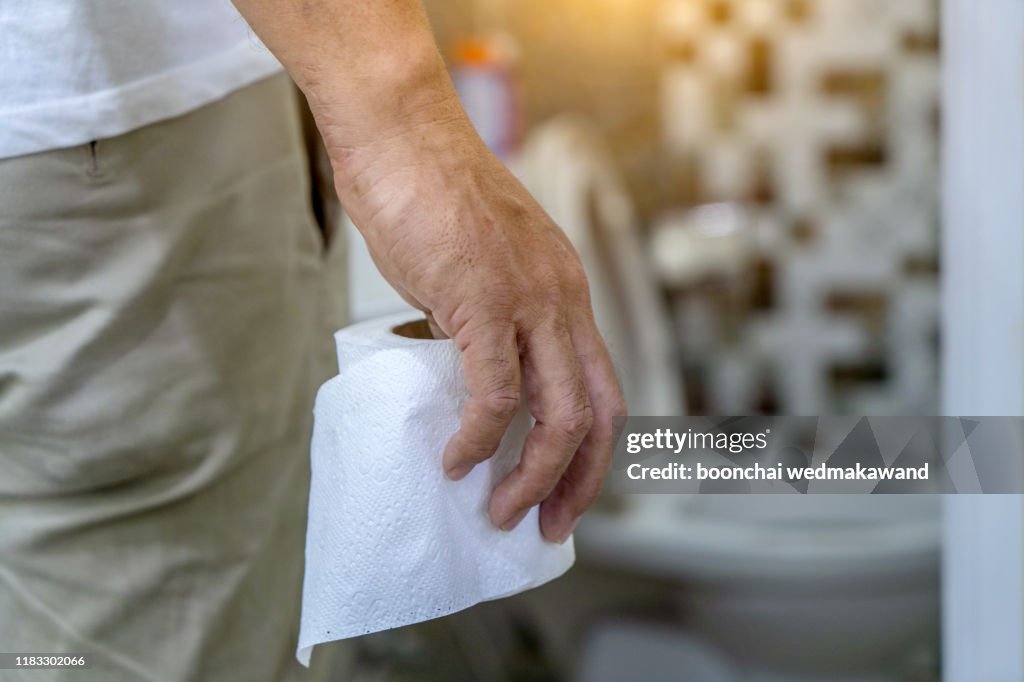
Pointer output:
x,y
391,541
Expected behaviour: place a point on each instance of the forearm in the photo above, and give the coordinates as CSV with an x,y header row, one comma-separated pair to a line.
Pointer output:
x,y
370,70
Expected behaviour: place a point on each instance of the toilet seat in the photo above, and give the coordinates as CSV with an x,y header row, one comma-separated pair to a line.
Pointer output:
x,y
564,166
753,539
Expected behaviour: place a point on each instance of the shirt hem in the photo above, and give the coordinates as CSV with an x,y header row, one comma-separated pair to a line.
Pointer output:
x,y
77,120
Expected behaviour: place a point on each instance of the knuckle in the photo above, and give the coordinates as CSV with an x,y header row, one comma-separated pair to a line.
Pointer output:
x,y
548,287
552,293
577,420
502,300
502,403
575,280
619,406
577,277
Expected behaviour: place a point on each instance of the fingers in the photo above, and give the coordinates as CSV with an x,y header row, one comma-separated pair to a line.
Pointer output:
x,y
557,393
490,367
581,483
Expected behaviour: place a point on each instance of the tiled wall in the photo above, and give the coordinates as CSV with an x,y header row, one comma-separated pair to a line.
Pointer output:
x,y
822,115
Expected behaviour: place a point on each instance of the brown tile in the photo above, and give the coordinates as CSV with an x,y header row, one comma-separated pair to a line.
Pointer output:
x,y
844,376
760,65
805,230
842,159
695,383
681,52
861,303
763,187
921,42
921,265
870,307
720,11
798,11
762,284
766,399
867,85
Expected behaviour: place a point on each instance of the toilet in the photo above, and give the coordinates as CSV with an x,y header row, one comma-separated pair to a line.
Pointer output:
x,y
799,588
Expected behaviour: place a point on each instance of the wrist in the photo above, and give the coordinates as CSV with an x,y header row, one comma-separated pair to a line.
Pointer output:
x,y
383,182
414,150
398,95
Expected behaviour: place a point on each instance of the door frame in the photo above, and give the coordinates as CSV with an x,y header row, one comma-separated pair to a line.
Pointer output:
x,y
983,324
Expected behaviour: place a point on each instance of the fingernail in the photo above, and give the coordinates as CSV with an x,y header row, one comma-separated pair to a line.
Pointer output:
x,y
568,533
514,520
459,472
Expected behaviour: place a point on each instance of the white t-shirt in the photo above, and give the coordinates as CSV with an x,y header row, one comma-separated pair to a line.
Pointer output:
x,y
72,71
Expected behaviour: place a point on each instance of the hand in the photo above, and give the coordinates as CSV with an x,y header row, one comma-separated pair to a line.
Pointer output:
x,y
459,238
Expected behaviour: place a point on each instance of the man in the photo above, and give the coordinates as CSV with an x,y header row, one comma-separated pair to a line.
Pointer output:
x,y
165,313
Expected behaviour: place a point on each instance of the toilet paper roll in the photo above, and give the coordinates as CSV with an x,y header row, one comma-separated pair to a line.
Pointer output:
x,y
390,540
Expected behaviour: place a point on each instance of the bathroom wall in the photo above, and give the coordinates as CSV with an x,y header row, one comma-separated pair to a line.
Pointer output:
x,y
822,116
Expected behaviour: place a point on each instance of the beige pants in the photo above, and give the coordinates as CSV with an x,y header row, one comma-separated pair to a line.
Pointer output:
x,y
166,310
